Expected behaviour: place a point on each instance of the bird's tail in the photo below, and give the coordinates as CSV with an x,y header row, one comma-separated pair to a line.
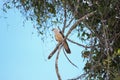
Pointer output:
x,y
67,49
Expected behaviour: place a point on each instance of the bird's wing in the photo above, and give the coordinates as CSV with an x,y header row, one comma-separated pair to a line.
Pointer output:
x,y
61,34
67,49
65,44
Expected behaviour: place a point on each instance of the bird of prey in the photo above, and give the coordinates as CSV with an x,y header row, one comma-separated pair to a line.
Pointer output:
x,y
60,38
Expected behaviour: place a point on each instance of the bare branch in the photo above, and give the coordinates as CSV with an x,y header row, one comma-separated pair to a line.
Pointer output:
x,y
78,43
69,59
105,32
70,22
65,15
53,52
74,14
78,22
56,63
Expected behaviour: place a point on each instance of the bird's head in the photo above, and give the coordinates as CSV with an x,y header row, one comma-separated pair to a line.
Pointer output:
x,y
55,30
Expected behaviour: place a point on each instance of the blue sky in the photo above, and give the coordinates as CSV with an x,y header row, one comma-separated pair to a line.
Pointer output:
x,y
23,55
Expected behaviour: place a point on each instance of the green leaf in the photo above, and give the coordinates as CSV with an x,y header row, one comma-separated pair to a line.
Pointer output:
x,y
118,52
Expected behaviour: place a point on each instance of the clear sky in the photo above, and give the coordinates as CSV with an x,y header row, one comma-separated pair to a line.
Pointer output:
x,y
23,56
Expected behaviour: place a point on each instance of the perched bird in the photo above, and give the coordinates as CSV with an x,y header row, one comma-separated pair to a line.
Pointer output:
x,y
60,38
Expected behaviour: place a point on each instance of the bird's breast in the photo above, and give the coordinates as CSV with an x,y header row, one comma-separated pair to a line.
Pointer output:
x,y
58,37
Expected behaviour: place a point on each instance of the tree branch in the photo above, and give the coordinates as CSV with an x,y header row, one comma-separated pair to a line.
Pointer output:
x,y
78,22
53,52
56,63
70,22
78,43
69,59
106,40
65,15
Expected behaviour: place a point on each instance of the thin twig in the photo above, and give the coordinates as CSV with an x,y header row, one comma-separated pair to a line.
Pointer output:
x,y
65,17
69,59
105,32
70,22
56,63
78,43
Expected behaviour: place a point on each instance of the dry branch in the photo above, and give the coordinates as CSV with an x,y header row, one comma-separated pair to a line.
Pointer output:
x,y
78,43
70,22
69,59
53,52
79,21
65,17
56,63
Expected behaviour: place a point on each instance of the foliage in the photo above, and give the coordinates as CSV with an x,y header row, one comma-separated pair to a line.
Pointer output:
x,y
103,29
102,62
